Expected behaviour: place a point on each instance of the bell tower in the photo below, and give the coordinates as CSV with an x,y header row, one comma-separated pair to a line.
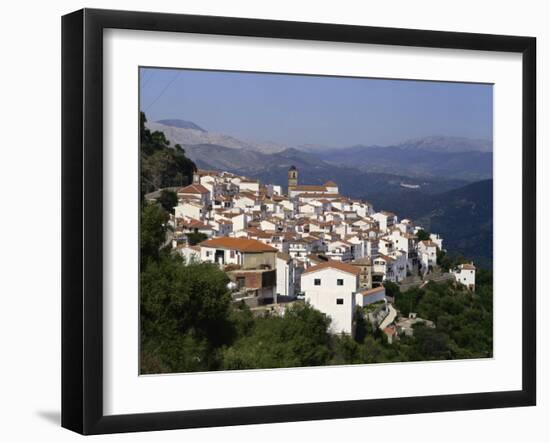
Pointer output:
x,y
292,177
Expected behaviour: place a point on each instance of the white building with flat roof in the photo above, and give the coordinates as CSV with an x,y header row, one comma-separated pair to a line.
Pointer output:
x,y
466,274
330,288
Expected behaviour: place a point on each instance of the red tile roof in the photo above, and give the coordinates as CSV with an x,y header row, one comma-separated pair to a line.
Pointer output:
x,y
195,188
350,269
192,223
238,244
309,188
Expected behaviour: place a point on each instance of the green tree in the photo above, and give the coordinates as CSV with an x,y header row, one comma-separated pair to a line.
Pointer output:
x,y
423,235
362,325
162,165
407,301
185,315
345,350
168,200
152,232
444,261
392,289
299,338
195,238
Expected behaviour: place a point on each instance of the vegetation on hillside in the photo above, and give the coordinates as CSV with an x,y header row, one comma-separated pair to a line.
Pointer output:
x,y
162,166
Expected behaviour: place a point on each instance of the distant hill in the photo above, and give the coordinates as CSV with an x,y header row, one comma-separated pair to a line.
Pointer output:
x,y
463,216
184,124
451,157
188,133
440,143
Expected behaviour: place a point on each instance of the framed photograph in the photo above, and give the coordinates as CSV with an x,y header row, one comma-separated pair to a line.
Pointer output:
x,y
268,221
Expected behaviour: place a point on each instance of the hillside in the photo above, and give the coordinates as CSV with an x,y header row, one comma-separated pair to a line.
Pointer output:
x,y
273,168
162,163
463,216
188,133
420,160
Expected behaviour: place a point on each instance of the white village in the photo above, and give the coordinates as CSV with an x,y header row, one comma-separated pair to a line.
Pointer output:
x,y
309,244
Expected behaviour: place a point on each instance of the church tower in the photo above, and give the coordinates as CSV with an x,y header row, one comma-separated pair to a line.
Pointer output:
x,y
292,177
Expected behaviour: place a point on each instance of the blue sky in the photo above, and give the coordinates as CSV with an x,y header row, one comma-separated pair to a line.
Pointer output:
x,y
329,111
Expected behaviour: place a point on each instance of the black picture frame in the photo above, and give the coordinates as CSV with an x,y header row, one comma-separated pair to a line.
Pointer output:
x,y
82,215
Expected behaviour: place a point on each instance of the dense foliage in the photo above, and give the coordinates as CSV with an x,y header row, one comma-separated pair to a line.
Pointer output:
x,y
463,320
168,200
194,238
422,235
162,166
298,338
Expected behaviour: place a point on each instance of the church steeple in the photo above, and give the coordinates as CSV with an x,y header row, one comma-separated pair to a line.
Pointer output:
x,y
292,177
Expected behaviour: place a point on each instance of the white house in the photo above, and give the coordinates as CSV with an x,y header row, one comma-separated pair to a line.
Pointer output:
x,y
249,185
437,240
223,226
371,247
427,254
190,210
406,243
331,187
339,250
244,201
274,190
269,224
195,191
392,268
385,220
285,275
386,245
240,221
466,275
330,288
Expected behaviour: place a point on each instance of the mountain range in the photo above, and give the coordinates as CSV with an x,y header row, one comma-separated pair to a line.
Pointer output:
x,y
184,132
428,157
415,160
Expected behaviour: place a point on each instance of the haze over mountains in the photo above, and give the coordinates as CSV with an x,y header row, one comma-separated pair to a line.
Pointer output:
x,y
439,169
188,133
428,157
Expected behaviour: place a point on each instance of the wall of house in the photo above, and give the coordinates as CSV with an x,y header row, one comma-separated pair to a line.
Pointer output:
x,y
188,210
324,297
284,284
257,260
230,257
467,277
